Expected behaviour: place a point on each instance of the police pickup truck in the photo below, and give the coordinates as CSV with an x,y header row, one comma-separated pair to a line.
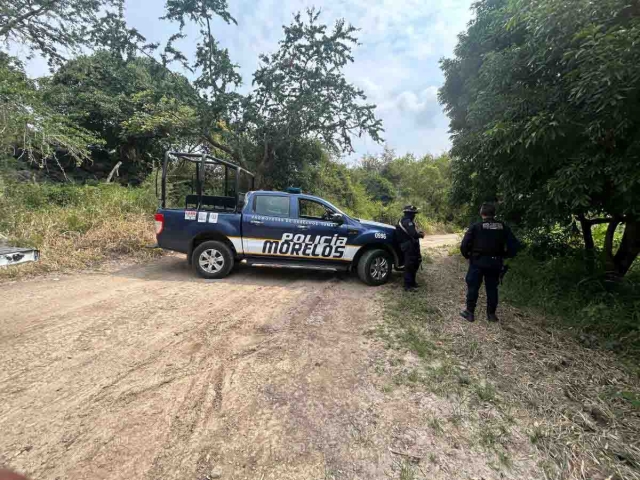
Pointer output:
x,y
267,228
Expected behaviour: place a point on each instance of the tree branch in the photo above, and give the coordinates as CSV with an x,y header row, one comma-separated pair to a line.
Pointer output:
x,y
208,138
25,16
599,221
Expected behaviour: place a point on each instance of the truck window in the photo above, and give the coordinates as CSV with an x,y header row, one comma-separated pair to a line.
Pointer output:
x,y
314,210
272,205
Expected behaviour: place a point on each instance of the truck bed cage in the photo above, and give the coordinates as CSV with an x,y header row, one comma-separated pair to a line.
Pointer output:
x,y
198,201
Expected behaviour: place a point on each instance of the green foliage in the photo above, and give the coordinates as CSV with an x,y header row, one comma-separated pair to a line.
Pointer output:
x,y
301,87
302,95
393,182
135,105
543,103
139,107
47,26
348,187
543,99
216,73
602,313
335,182
30,128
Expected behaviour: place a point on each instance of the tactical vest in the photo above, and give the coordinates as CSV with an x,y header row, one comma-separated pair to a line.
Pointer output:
x,y
489,238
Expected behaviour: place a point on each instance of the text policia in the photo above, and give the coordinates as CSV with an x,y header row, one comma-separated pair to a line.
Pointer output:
x,y
306,246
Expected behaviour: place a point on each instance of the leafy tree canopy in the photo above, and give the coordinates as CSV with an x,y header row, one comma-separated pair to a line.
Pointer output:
x,y
30,128
53,28
135,105
543,99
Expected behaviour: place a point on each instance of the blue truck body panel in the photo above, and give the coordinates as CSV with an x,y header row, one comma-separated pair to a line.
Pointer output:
x,y
275,228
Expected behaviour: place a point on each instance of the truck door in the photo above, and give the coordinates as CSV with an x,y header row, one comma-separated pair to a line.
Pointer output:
x,y
322,239
264,223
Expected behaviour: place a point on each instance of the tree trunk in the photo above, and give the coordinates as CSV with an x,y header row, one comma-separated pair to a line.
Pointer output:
x,y
262,168
236,155
608,247
629,248
113,171
589,245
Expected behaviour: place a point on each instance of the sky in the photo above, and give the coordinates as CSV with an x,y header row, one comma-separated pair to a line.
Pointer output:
x,y
396,63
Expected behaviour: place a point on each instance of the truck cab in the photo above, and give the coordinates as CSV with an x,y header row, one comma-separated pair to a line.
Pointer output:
x,y
287,229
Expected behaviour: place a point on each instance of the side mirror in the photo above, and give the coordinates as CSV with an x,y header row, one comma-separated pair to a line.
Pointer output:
x,y
337,218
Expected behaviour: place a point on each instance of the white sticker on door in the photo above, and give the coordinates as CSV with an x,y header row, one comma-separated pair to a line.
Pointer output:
x,y
190,214
213,218
202,217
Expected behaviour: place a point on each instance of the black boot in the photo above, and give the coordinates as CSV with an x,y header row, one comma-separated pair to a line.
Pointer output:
x,y
468,315
492,317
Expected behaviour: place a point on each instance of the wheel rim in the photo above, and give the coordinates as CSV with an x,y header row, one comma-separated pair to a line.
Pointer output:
x,y
211,260
379,268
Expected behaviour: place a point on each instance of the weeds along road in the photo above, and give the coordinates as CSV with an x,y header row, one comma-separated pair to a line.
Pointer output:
x,y
150,372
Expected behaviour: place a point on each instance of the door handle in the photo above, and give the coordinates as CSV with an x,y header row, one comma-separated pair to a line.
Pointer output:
x,y
256,222
303,227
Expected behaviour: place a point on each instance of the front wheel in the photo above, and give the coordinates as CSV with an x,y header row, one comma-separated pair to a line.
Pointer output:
x,y
374,267
212,259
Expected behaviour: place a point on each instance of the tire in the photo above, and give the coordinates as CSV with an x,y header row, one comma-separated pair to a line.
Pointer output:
x,y
374,267
212,259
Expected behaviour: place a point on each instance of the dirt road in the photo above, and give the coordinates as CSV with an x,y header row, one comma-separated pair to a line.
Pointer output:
x,y
150,372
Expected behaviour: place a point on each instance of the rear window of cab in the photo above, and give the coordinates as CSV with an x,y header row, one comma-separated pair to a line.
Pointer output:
x,y
272,205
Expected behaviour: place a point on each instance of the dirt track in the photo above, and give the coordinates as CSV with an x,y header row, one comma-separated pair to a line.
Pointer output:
x,y
149,372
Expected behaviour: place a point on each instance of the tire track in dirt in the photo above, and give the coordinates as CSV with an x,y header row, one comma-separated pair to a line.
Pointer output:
x,y
152,373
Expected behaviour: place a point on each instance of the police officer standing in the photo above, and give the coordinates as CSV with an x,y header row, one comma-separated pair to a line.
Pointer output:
x,y
409,238
485,245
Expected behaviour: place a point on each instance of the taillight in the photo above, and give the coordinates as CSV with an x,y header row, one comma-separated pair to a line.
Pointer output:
x,y
159,223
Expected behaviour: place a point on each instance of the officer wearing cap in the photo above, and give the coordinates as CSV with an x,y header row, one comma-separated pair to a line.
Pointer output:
x,y
485,245
409,238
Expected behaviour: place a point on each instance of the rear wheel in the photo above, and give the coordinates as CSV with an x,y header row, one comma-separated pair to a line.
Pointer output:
x,y
212,259
374,267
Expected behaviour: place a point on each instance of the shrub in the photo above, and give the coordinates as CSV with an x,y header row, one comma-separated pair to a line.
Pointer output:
x,y
75,226
601,312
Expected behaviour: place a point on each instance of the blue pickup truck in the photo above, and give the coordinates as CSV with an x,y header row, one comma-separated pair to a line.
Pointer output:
x,y
267,228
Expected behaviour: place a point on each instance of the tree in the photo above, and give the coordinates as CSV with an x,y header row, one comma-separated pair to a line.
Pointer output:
x,y
543,100
52,28
29,128
216,75
135,105
301,93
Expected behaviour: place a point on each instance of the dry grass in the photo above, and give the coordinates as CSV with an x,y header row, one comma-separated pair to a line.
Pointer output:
x,y
519,385
78,228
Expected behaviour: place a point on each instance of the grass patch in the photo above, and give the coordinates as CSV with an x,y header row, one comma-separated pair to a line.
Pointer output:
x,y
486,392
75,226
521,389
600,313
436,425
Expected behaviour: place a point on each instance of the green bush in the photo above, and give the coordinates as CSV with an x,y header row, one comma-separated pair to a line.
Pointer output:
x,y
601,312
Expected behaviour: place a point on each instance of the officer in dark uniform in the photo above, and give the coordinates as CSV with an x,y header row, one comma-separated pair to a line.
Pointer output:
x,y
409,238
485,245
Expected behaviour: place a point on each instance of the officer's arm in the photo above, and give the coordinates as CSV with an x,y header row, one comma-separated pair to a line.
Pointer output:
x,y
467,243
513,245
410,226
